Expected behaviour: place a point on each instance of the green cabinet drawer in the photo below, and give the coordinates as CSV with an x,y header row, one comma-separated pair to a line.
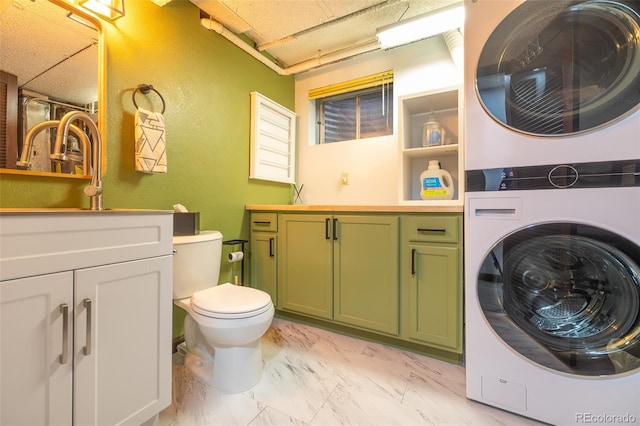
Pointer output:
x,y
264,222
432,228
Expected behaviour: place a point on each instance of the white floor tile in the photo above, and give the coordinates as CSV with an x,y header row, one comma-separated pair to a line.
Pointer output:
x,y
313,377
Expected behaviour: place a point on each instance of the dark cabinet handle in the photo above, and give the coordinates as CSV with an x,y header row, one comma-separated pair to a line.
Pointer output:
x,y
326,228
432,230
335,229
413,261
265,223
271,254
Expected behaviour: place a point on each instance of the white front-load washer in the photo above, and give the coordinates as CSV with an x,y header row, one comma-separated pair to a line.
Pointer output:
x,y
552,292
551,81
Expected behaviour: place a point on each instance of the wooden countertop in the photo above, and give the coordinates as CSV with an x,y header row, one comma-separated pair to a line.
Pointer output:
x,y
352,208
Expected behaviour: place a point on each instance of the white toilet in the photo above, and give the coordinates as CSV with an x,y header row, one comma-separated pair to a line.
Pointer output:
x,y
225,323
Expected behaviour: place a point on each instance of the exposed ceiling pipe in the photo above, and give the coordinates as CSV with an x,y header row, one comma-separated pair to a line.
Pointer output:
x,y
213,25
367,10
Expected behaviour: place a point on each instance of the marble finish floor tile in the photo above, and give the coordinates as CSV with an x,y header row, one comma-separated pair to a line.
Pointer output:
x,y
313,377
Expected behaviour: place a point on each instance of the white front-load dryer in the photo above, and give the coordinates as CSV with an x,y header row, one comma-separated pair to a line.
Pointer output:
x,y
551,81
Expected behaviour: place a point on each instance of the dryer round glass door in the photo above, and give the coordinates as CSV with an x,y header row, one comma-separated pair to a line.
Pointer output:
x,y
566,296
554,68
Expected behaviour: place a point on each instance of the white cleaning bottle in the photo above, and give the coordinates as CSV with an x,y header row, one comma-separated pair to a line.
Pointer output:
x,y
435,183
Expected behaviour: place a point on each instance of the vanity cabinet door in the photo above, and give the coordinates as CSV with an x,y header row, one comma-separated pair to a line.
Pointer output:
x,y
435,309
366,272
264,261
305,267
36,385
122,342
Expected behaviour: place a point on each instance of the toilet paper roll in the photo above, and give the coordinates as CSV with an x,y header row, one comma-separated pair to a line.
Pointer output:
x,y
236,256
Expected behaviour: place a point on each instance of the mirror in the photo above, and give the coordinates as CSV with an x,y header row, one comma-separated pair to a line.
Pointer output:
x,y
51,62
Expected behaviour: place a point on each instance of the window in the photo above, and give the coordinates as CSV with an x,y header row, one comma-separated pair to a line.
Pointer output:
x,y
357,109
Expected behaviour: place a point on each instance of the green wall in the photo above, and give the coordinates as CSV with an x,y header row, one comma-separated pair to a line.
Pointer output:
x,y
205,81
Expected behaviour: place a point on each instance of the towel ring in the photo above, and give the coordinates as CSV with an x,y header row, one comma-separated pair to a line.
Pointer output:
x,y
145,89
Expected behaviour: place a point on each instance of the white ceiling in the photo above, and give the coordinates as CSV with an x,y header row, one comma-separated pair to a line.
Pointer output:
x,y
294,31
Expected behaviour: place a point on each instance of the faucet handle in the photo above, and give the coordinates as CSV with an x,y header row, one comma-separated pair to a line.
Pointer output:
x,y
92,190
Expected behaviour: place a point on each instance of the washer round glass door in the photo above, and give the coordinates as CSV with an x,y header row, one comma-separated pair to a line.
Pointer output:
x,y
562,67
566,296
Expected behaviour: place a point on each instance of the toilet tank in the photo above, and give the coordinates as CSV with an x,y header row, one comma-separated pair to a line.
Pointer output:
x,y
196,262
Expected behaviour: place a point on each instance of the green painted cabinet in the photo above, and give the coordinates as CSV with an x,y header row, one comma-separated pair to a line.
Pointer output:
x,y
341,267
366,272
398,276
432,280
264,256
305,267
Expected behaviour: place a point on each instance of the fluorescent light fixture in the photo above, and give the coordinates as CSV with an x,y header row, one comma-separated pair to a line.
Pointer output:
x,y
421,27
107,9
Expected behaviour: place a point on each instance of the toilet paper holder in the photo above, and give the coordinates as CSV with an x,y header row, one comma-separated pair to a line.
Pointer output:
x,y
237,256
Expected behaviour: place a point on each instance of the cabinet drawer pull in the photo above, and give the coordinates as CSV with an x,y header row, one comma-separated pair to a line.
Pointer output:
x,y
266,223
326,228
432,230
87,349
335,229
64,356
271,254
413,261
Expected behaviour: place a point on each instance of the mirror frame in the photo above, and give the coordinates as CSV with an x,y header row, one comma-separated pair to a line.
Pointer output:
x,y
102,96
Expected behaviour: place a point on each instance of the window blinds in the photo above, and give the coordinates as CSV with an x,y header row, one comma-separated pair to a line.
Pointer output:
x,y
374,80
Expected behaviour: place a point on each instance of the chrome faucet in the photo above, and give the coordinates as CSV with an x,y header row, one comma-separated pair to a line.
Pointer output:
x,y
94,190
24,163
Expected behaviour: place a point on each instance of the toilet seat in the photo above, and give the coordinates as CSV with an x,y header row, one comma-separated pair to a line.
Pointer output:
x,y
228,301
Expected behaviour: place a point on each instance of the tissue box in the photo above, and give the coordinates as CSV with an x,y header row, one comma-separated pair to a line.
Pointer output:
x,y
186,223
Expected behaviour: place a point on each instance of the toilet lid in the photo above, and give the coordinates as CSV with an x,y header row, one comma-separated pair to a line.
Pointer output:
x,y
230,301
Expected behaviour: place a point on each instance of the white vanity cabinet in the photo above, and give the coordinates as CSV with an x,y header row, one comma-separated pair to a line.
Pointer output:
x,y
85,317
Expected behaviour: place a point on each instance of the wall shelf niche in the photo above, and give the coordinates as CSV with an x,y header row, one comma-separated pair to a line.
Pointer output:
x,y
415,111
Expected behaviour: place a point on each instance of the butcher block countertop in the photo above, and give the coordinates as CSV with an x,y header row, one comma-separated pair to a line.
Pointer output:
x,y
352,208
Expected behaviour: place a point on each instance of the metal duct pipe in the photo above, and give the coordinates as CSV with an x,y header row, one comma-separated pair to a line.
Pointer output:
x,y
213,25
455,43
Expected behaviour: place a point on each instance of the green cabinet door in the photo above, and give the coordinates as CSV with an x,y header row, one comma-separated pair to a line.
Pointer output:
x,y
366,272
435,299
305,264
264,263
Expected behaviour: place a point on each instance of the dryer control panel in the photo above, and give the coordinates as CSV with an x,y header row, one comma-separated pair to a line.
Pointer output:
x,y
604,174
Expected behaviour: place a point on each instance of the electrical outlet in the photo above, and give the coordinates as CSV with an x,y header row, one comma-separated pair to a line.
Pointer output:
x,y
344,178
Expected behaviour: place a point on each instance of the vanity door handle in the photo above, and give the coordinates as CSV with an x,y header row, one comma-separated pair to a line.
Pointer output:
x,y
64,356
271,240
413,261
326,228
335,229
88,304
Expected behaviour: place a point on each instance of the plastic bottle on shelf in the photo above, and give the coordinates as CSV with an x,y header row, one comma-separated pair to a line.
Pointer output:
x,y
435,183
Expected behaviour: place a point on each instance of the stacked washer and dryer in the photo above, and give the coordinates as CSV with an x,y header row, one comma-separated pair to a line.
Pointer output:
x,y
552,208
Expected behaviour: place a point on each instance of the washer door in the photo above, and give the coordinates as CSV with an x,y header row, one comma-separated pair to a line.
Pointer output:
x,y
562,67
566,296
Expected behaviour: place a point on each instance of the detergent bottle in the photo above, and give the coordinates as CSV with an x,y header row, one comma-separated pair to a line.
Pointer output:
x,y
435,183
